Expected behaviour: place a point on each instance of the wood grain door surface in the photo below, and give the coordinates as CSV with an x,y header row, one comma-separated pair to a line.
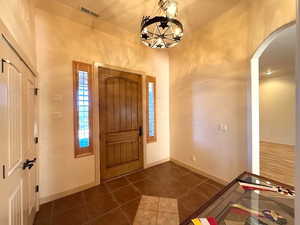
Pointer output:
x,y
121,138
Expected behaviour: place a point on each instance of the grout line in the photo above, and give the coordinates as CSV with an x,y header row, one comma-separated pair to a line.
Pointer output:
x,y
138,180
52,213
120,204
113,196
111,210
125,215
119,188
193,188
133,186
85,207
159,198
69,208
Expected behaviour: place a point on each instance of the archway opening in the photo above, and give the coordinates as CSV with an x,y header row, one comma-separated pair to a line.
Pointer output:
x,y
272,48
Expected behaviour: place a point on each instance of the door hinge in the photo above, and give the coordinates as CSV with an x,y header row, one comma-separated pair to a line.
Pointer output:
x,y
2,65
3,172
36,140
37,188
36,91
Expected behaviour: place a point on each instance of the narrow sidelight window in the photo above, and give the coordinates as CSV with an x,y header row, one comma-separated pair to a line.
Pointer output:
x,y
82,73
151,108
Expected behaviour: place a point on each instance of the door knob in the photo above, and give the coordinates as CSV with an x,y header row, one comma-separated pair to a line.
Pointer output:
x,y
29,164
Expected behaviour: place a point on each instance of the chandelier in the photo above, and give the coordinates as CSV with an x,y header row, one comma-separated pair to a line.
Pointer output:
x,y
162,30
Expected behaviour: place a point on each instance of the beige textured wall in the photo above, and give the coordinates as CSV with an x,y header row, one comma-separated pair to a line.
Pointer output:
x,y
18,17
278,109
59,41
266,16
210,74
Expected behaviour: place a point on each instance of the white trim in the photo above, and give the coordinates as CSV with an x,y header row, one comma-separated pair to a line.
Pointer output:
x,y
255,116
63,194
253,130
198,171
156,163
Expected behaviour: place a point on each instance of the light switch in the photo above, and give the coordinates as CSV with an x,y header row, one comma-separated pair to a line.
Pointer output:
x,y
57,115
223,127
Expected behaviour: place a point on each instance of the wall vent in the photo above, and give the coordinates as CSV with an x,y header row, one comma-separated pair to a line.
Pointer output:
x,y
88,11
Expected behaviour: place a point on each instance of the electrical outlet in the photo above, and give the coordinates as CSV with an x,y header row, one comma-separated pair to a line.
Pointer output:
x,y
194,158
222,127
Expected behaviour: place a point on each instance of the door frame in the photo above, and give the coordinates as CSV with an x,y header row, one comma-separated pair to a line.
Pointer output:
x,y
253,119
96,116
34,80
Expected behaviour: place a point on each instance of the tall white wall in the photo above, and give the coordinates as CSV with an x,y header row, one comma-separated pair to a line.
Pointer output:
x,y
278,109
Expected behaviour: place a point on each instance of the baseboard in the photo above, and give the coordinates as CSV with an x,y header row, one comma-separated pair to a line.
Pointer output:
x,y
66,193
196,170
274,143
84,187
156,163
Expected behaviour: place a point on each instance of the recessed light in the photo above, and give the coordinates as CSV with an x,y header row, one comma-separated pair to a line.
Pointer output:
x,y
269,72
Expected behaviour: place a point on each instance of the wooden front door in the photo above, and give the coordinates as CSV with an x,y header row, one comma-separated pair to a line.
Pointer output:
x,y
120,122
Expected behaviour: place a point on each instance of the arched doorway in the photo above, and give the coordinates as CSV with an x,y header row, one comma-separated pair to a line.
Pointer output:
x,y
254,120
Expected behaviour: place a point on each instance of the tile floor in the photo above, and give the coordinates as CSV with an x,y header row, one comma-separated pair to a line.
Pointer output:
x,y
157,211
117,201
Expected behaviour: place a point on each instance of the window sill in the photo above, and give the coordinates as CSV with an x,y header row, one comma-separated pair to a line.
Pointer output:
x,y
151,141
83,155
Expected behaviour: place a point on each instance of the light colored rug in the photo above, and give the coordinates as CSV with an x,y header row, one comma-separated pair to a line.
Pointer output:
x,y
157,211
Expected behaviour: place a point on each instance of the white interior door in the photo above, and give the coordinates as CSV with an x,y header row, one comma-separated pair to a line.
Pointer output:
x,y
13,176
30,149
17,113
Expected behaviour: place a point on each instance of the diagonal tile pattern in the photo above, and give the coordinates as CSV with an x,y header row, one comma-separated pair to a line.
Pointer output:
x,y
157,211
118,201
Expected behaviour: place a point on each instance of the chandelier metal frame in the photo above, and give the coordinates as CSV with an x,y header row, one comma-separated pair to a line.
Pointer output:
x,y
162,30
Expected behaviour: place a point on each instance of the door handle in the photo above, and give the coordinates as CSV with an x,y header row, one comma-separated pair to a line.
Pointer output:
x,y
29,164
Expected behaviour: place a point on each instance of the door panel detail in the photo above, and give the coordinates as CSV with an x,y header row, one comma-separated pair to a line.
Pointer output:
x,y
14,118
16,206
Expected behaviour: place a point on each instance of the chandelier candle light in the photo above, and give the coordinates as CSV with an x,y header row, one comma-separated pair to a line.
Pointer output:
x,y
163,30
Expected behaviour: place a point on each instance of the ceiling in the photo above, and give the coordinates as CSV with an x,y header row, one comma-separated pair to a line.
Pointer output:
x,y
280,56
127,14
